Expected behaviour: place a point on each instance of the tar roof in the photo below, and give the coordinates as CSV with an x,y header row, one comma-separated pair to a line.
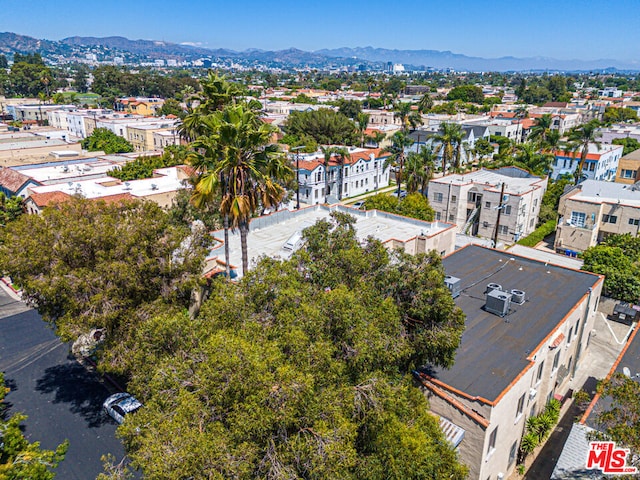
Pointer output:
x,y
494,350
607,192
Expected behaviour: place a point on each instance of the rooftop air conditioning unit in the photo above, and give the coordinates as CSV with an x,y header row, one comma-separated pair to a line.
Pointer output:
x,y
453,284
498,302
154,186
532,393
517,296
493,286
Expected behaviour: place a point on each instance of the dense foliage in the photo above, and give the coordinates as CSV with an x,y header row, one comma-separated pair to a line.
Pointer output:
x,y
551,200
18,458
466,93
538,234
87,264
106,141
618,258
414,205
324,126
143,167
630,144
10,208
300,370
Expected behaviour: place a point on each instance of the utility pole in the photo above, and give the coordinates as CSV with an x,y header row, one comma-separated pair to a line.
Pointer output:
x,y
500,206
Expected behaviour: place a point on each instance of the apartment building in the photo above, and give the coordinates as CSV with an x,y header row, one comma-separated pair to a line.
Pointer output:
x,y
362,171
507,199
527,327
629,168
593,210
143,136
601,162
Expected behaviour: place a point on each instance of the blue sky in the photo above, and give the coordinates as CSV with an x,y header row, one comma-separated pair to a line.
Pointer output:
x,y
563,29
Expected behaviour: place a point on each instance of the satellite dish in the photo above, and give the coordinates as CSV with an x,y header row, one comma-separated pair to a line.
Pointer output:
x,y
626,372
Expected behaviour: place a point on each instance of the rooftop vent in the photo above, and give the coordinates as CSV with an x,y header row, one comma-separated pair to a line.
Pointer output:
x,y
498,302
493,286
295,242
453,284
154,186
517,296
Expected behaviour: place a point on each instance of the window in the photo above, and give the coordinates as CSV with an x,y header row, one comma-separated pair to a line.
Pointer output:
x,y
634,221
438,216
578,219
492,441
532,412
569,335
531,222
507,210
503,229
628,174
487,204
540,369
609,218
454,199
520,407
451,217
437,197
512,452
556,360
535,202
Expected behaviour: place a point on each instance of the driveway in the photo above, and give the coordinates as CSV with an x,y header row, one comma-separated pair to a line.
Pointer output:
x,y
61,398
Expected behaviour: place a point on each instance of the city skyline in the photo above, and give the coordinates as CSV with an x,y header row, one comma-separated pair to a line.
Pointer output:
x,y
585,30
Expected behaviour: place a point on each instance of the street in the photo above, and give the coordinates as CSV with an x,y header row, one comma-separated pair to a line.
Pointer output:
x,y
61,398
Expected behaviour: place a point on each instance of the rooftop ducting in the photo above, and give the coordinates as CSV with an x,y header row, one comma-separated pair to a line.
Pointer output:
x,y
498,302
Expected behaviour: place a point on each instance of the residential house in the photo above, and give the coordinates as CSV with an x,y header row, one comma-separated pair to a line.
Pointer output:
x,y
507,199
363,171
609,134
629,168
593,210
139,106
601,162
142,136
527,327
14,183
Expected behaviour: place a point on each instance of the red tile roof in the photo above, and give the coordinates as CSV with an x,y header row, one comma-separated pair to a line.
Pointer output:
x,y
12,180
46,199
353,158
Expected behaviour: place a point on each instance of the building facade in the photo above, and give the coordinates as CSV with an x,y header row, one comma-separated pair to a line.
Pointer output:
x,y
601,162
479,203
527,327
592,211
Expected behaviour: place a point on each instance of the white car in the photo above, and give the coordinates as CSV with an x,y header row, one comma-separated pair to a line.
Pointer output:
x,y
120,404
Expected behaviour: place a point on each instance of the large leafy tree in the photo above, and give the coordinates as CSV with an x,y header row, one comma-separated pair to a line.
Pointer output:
x,y
300,371
19,458
414,205
618,258
87,264
324,125
105,140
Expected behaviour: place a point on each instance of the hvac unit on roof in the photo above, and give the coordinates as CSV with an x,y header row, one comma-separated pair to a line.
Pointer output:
x,y
127,186
453,284
517,296
498,302
493,286
154,186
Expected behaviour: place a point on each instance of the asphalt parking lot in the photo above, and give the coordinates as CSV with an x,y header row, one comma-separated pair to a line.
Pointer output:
x,y
62,399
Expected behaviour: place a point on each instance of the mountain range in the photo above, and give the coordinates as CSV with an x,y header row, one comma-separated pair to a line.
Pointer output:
x,y
155,49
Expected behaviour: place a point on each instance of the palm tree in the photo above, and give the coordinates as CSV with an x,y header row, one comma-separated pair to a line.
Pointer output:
x,y
408,118
419,169
450,138
542,129
399,141
363,121
239,163
426,103
580,138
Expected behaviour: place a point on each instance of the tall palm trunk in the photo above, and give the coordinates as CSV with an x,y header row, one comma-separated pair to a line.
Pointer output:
x,y
244,232
227,254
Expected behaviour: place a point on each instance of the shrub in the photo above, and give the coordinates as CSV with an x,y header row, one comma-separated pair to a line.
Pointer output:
x,y
538,234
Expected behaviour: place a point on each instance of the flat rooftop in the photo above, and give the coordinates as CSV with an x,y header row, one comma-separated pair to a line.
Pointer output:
x,y
269,233
516,181
66,171
494,350
608,192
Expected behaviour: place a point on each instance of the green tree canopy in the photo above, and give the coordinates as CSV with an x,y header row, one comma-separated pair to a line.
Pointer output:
x,y
143,167
630,144
324,125
87,264
618,258
414,205
105,140
302,369
466,93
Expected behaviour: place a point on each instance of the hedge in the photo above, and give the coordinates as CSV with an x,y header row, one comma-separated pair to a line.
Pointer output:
x,y
538,234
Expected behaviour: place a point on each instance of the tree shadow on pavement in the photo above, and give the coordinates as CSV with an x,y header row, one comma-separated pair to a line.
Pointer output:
x,y
71,383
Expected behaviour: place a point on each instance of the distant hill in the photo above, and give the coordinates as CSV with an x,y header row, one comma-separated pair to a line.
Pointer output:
x,y
155,49
446,59
150,48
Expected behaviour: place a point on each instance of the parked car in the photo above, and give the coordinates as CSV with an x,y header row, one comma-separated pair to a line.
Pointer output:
x,y
119,405
359,205
403,193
